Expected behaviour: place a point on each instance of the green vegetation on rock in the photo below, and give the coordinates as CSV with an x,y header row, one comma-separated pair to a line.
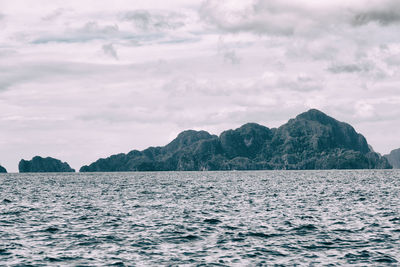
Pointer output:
x,y
2,169
39,164
312,140
394,158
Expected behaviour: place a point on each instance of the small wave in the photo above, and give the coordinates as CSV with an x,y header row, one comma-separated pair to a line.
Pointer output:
x,y
263,235
385,259
51,229
305,229
229,227
6,201
79,236
341,230
88,243
273,252
4,252
112,238
118,263
183,239
13,212
362,254
60,259
339,223
212,221
150,224
143,243
321,246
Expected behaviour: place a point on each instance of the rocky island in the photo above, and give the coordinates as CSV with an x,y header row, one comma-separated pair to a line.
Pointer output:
x,y
2,169
394,158
312,140
39,164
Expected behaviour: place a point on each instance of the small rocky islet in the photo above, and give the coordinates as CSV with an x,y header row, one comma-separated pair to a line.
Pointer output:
x,y
312,140
39,164
2,169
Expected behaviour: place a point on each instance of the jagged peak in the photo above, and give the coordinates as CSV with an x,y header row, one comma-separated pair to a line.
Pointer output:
x,y
188,137
395,151
39,157
187,133
247,127
253,125
34,158
315,115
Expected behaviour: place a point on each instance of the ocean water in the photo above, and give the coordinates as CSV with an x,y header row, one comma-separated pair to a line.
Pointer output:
x,y
259,218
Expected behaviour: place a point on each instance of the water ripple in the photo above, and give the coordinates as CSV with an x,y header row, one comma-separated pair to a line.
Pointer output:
x,y
280,218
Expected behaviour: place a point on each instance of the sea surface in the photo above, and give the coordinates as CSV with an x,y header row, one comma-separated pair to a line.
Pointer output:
x,y
273,218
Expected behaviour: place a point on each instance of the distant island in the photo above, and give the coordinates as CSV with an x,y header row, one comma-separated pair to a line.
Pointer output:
x,y
394,158
312,140
2,169
39,164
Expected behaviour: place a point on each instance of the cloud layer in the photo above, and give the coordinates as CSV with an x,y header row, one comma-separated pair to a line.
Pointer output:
x,y
81,80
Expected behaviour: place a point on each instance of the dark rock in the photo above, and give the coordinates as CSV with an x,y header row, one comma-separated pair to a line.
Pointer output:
x,y
39,164
246,141
394,158
2,169
312,140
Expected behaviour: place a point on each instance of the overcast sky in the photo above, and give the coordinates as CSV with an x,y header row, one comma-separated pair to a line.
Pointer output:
x,y
83,79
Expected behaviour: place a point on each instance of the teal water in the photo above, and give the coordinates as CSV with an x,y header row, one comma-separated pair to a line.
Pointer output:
x,y
331,218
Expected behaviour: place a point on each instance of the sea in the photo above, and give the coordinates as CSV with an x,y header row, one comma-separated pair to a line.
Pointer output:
x,y
236,218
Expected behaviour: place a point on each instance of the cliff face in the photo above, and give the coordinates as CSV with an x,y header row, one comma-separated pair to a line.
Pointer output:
x,y
2,169
312,140
394,158
39,164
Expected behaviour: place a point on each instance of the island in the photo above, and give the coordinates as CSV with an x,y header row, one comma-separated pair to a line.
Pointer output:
x,y
39,164
2,169
312,140
394,158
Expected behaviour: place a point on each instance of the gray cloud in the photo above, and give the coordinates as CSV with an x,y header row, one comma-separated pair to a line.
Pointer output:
x,y
55,14
13,75
94,28
231,57
393,60
349,68
228,52
154,20
109,50
90,31
385,13
287,18
382,17
302,83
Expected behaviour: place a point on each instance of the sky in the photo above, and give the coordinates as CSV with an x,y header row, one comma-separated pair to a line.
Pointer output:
x,y
80,80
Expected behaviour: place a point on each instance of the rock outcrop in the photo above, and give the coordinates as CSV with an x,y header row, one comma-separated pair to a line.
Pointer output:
x,y
394,158
39,164
312,140
2,169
